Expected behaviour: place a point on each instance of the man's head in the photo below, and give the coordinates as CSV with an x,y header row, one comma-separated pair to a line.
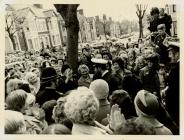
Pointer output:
x,y
173,53
154,12
99,64
161,12
161,28
83,70
49,77
152,60
100,88
86,51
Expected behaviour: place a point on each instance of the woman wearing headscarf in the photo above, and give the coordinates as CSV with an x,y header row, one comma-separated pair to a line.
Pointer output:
x,y
147,107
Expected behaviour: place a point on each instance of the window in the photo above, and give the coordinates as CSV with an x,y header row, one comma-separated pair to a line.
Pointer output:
x,y
47,41
174,8
16,43
58,39
38,25
64,38
36,43
50,25
44,26
174,28
30,43
55,24
63,28
53,40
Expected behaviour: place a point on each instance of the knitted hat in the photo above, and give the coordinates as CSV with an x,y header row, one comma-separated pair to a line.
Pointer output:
x,y
48,74
146,103
100,88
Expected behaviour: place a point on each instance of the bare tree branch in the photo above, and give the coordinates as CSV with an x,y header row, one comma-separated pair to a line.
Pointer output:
x,y
145,7
137,13
137,7
8,26
143,13
140,7
16,31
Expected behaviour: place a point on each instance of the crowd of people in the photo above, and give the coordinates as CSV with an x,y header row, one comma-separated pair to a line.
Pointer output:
x,y
120,89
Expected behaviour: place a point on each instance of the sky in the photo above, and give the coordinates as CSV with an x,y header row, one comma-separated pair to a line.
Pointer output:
x,y
117,9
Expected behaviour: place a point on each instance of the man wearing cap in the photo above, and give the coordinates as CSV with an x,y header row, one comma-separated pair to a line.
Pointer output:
x,y
100,68
101,72
171,92
49,80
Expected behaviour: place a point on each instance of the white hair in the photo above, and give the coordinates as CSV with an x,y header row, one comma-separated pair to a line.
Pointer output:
x,y
81,106
14,122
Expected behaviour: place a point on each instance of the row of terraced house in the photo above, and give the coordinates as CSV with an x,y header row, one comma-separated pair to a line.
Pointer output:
x,y
41,27
47,28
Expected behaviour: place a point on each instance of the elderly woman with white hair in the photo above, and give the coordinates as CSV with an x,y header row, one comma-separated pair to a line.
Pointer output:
x,y
85,78
81,108
34,82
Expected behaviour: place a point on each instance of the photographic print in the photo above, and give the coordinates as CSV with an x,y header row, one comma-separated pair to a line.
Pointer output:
x,y
92,69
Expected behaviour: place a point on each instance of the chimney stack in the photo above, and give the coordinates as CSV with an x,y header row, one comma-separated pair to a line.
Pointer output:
x,y
104,17
97,18
40,6
110,19
81,12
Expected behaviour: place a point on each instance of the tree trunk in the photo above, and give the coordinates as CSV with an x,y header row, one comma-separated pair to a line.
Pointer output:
x,y
69,14
13,42
140,28
72,48
24,39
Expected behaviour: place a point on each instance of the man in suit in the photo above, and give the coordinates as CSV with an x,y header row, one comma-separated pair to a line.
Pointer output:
x,y
171,92
101,72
